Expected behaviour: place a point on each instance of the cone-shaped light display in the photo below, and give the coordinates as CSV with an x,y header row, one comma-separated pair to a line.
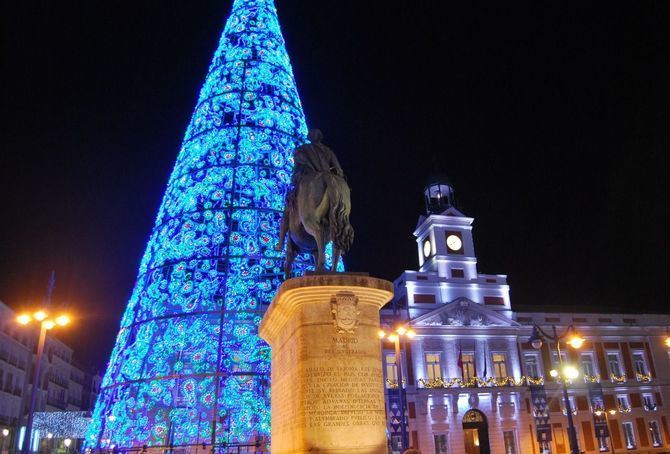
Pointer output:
x,y
188,366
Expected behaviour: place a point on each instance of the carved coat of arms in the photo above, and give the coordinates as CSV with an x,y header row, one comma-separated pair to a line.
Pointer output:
x,y
344,307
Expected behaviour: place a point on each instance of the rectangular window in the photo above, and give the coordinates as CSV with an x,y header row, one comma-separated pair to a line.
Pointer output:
x,y
588,367
614,364
433,368
423,298
649,403
391,368
555,361
622,402
655,434
499,365
440,443
457,272
510,442
602,444
468,365
629,434
494,300
639,363
532,365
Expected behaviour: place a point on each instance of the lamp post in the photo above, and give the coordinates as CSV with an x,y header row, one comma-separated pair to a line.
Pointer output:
x,y
567,372
67,442
46,324
5,434
394,336
607,422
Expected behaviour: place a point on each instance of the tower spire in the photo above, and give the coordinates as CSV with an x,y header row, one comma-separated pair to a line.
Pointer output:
x,y
188,366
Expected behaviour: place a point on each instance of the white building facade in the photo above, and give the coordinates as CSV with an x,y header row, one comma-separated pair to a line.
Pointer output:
x,y
467,372
64,385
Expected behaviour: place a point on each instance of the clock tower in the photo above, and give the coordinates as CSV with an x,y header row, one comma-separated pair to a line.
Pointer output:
x,y
444,236
447,261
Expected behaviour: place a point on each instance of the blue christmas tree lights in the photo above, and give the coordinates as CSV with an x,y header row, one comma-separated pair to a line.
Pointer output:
x,y
188,366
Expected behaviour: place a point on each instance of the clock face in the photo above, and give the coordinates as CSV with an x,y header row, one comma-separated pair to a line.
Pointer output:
x,y
454,243
427,248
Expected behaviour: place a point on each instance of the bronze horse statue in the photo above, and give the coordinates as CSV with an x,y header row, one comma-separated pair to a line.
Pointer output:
x,y
317,211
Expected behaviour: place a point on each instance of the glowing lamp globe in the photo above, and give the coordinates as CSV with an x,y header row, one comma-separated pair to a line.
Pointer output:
x,y
576,341
570,372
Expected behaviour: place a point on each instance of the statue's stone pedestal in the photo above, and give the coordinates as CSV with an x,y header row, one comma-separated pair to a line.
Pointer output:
x,y
327,385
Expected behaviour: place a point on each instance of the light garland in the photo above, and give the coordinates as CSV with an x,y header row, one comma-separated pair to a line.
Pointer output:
x,y
644,378
478,382
393,384
188,351
618,378
592,378
62,424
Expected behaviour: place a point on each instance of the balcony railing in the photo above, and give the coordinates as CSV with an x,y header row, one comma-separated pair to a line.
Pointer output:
x,y
477,382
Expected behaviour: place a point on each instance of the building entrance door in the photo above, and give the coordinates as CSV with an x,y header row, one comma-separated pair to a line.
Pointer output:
x,y
476,433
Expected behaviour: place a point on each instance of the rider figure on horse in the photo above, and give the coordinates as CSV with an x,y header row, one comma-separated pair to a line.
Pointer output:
x,y
308,158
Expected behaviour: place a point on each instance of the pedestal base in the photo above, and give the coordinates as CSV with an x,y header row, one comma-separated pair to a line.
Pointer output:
x,y
327,385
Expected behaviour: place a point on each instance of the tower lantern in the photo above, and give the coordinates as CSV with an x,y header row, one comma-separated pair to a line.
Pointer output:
x,y
439,196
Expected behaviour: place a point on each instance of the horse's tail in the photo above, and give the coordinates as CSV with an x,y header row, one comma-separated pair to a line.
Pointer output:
x,y
341,231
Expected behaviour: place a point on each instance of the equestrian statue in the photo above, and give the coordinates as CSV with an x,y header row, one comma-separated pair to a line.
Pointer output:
x,y
317,207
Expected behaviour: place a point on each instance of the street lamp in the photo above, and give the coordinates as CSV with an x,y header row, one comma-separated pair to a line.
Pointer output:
x,y
46,324
5,433
67,442
667,337
611,412
567,372
394,336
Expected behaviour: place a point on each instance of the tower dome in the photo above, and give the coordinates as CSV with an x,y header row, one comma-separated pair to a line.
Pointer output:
x,y
439,195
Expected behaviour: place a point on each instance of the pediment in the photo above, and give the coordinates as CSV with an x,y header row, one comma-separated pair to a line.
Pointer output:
x,y
463,312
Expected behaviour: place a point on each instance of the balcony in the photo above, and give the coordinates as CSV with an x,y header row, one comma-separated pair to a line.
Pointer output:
x,y
15,390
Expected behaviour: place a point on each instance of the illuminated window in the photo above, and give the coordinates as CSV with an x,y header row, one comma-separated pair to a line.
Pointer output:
x,y
499,365
433,368
649,403
622,401
639,363
588,367
510,442
391,368
555,361
468,360
614,363
629,434
602,444
655,434
441,446
532,365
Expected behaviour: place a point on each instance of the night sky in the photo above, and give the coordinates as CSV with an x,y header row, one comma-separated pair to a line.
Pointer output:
x,y
552,122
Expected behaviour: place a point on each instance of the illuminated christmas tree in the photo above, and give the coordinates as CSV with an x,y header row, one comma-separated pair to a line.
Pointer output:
x,y
188,366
